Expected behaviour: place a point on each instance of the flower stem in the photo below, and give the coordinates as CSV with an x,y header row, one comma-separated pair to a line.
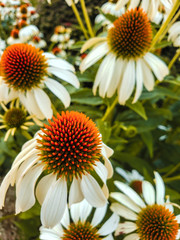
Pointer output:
x,y
174,59
171,179
86,16
109,109
172,170
163,27
76,13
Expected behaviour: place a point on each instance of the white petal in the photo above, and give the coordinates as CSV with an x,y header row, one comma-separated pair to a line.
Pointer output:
x,y
54,205
139,80
159,68
123,211
125,228
148,77
43,102
92,191
59,90
160,189
133,236
109,237
123,174
96,54
25,198
106,74
85,210
65,75
92,41
116,78
133,4
43,186
75,193
98,215
60,63
46,234
49,55
110,225
101,170
106,151
126,201
128,82
148,192
65,221
121,4
130,193
75,210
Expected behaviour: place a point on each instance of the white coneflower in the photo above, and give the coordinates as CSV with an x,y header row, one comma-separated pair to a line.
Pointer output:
x,y
15,118
150,219
38,42
69,152
128,62
14,37
174,34
108,8
134,179
151,7
81,227
28,32
26,70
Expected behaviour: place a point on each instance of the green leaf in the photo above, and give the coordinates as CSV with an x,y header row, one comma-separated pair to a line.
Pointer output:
x,y
105,129
138,108
108,16
148,140
85,96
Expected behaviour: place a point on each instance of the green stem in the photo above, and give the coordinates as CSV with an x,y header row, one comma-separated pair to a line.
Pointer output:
x,y
76,13
171,179
86,16
174,59
172,170
163,27
169,25
7,217
109,109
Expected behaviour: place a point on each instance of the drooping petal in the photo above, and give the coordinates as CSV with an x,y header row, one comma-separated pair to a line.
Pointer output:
x,y
75,193
139,80
59,90
60,63
92,191
43,102
54,204
123,211
95,55
125,228
133,236
148,77
25,198
101,170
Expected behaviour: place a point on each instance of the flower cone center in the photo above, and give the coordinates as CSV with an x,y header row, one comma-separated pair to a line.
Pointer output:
x,y
131,35
157,222
71,144
14,117
81,231
23,66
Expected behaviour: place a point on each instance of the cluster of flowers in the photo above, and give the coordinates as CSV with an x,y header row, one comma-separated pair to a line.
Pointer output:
x,y
65,166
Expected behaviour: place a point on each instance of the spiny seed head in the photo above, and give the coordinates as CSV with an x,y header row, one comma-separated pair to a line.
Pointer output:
x,y
137,186
70,145
15,117
23,66
131,35
155,222
81,231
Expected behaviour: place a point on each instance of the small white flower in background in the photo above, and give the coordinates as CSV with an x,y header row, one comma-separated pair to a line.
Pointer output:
x,y
151,7
151,218
35,71
38,42
14,37
28,32
69,2
128,62
2,44
134,179
108,8
68,151
174,34
80,227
